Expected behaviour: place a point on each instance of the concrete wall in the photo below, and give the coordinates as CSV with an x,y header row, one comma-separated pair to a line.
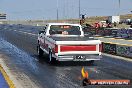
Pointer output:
x,y
115,49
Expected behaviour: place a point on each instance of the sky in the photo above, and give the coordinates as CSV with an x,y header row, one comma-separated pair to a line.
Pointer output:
x,y
67,9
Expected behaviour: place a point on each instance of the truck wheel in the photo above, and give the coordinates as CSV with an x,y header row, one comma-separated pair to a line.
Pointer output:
x,y
40,51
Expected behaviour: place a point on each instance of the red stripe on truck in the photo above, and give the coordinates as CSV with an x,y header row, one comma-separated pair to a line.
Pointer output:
x,y
78,48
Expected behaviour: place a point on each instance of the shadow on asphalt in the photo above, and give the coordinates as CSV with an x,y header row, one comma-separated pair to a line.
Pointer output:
x,y
64,63
73,63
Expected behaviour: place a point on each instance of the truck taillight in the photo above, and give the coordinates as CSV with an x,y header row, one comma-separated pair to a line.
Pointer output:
x,y
100,47
56,49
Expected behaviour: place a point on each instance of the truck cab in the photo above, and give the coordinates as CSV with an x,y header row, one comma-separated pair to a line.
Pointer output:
x,y
66,42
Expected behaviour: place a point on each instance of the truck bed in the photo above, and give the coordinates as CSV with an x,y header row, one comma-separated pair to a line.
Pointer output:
x,y
71,38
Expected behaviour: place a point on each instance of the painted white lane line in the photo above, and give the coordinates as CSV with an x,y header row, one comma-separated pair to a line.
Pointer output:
x,y
23,32
26,32
114,39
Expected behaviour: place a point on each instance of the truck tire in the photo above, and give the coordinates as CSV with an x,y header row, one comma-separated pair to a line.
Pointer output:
x,y
39,51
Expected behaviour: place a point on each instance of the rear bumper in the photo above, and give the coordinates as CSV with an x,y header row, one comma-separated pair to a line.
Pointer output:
x,y
72,57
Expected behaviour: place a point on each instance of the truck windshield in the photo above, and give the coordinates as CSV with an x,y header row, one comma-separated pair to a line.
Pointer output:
x,y
64,30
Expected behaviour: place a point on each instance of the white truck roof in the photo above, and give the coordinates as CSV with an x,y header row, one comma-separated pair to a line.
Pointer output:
x,y
64,24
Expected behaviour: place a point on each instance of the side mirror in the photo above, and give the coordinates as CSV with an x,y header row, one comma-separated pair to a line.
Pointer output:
x,y
44,28
41,32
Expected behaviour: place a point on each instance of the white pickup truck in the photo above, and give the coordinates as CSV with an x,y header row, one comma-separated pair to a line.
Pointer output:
x,y
66,42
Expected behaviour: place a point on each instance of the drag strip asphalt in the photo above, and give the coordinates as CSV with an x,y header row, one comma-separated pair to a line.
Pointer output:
x,y
18,48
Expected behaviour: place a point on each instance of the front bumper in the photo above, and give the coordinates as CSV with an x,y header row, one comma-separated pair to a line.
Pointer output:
x,y
82,57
